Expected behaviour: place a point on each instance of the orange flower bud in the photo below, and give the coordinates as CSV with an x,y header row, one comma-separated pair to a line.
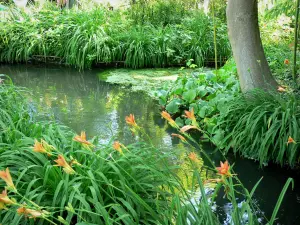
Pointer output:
x,y
168,117
281,89
188,127
63,163
286,62
5,199
5,175
180,137
82,139
42,147
291,140
31,213
190,114
117,146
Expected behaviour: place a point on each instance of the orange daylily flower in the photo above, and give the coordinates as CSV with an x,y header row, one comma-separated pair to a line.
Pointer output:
x,y
224,169
5,199
5,175
117,146
63,163
130,120
188,127
42,147
32,213
291,140
168,117
193,157
82,138
190,114
286,62
38,147
180,137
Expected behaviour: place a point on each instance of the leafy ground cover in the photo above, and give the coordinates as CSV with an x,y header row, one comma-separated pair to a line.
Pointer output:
x,y
258,125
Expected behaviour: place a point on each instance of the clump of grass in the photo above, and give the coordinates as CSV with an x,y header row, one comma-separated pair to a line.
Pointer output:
x,y
259,124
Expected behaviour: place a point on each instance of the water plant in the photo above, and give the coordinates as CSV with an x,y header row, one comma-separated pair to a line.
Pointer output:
x,y
205,92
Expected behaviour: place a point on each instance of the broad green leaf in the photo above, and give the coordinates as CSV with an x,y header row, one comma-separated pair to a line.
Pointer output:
x,y
189,96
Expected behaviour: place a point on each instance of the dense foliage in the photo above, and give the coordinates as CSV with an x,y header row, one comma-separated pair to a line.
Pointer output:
x,y
83,38
263,126
101,184
257,125
205,92
278,41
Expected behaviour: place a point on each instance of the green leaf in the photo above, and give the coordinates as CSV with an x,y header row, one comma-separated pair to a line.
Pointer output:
x,y
179,122
173,106
189,96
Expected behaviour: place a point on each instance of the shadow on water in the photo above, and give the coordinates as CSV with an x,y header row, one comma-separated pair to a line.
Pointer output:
x,y
83,102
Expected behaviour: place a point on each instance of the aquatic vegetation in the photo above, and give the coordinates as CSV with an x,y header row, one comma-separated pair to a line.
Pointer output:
x,y
199,96
85,38
146,80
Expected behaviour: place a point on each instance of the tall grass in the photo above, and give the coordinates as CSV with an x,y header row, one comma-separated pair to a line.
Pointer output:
x,y
259,124
84,38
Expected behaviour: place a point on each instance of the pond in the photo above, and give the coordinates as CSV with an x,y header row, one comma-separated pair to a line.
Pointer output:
x,y
84,102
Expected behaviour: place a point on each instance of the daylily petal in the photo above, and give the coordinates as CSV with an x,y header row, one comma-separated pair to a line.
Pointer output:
x,y
5,175
188,127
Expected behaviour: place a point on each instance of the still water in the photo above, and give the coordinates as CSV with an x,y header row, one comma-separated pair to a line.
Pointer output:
x,y
84,102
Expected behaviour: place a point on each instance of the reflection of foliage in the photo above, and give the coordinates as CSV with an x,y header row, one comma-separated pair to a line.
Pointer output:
x,y
186,170
85,103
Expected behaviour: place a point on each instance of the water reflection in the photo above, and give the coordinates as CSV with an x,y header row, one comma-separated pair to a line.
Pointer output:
x,y
83,102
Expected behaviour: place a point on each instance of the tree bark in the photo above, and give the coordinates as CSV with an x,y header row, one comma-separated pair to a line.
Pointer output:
x,y
248,52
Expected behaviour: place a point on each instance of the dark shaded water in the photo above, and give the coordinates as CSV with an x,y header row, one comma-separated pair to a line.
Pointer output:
x,y
83,102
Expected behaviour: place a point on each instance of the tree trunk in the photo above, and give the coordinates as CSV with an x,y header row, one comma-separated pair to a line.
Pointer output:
x,y
248,52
